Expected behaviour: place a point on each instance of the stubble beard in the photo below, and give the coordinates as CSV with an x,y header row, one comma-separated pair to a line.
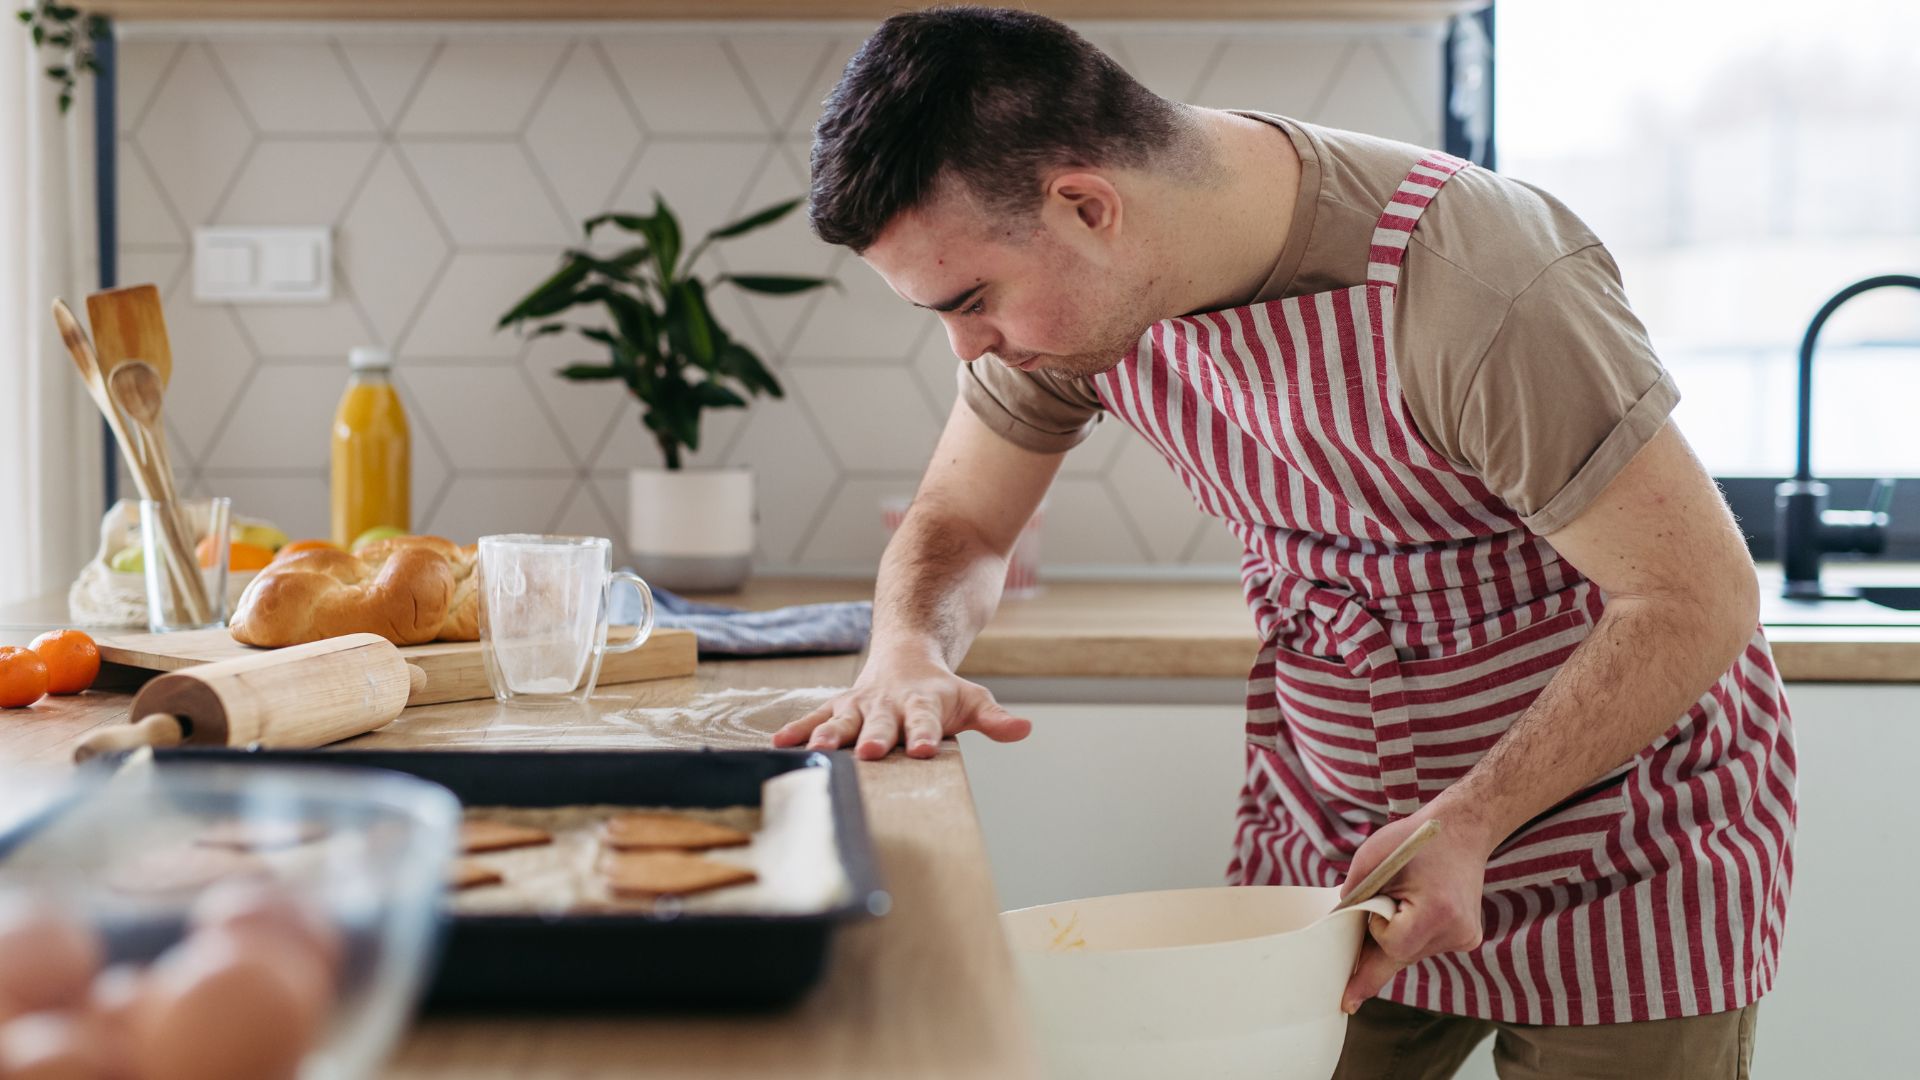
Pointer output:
x,y
1112,342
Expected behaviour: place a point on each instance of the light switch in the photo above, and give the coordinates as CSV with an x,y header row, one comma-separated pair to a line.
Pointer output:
x,y
228,265
289,264
265,264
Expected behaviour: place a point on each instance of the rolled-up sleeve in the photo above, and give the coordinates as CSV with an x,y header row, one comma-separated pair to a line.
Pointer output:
x,y
1030,409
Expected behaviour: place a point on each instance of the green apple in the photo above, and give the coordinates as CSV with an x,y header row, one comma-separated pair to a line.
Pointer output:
x,y
128,560
265,536
378,532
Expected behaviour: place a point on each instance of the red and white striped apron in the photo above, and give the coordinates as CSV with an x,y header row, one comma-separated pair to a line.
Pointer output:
x,y
1408,618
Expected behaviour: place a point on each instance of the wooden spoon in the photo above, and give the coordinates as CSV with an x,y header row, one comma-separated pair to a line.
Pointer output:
x,y
1395,861
129,325
185,577
88,362
136,388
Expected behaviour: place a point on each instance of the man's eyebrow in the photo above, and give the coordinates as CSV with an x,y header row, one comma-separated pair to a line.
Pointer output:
x,y
953,304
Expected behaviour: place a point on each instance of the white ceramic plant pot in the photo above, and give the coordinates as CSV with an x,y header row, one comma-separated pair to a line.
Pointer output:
x,y
691,529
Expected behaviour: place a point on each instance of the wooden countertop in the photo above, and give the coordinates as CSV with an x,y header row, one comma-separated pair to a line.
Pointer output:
x,y
926,991
1201,629
1136,629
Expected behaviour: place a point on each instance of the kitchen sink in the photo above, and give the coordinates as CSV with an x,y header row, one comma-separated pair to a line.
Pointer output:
x,y
1897,597
1877,605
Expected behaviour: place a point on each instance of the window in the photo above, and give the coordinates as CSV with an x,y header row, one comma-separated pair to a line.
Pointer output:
x,y
1743,162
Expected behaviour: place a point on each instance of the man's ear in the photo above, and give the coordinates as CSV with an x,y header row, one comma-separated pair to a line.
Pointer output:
x,y
1083,205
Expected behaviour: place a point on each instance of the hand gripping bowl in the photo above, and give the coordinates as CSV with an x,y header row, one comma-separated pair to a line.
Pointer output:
x,y
1226,983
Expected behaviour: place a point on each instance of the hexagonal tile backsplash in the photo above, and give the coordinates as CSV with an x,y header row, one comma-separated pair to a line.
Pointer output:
x,y
454,165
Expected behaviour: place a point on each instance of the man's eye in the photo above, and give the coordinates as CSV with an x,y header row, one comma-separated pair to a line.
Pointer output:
x,y
975,308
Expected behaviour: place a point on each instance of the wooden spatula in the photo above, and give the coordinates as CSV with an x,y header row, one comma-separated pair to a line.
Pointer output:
x,y
128,325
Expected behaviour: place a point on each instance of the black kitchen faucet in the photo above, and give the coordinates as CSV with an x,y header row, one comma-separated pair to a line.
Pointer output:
x,y
1807,529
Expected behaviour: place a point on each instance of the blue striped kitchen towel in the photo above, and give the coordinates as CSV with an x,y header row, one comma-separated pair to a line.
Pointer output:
x,y
731,631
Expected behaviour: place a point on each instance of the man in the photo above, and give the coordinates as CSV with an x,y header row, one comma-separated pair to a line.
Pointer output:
x,y
1495,588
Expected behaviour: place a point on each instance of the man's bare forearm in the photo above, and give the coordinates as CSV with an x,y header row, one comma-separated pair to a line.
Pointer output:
x,y
1644,665
938,585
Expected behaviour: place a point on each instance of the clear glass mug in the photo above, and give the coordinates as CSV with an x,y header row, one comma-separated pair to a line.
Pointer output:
x,y
543,615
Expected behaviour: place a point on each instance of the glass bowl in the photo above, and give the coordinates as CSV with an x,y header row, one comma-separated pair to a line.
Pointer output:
x,y
165,884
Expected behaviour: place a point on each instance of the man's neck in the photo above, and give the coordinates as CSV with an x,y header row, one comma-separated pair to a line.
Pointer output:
x,y
1219,242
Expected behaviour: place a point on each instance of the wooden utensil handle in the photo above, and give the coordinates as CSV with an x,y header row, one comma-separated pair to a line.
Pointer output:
x,y
1395,862
158,730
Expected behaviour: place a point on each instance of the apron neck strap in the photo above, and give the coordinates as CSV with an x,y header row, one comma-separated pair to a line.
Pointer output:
x,y
1409,201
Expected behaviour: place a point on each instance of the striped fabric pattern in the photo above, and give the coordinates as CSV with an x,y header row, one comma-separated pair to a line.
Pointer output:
x,y
1408,618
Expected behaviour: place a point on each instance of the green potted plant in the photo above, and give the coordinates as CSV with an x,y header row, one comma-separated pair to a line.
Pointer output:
x,y
687,528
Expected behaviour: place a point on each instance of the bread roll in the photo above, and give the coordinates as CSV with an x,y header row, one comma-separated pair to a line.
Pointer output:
x,y
409,590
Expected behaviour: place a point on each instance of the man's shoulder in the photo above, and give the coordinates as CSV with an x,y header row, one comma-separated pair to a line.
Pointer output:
x,y
1501,232
1485,226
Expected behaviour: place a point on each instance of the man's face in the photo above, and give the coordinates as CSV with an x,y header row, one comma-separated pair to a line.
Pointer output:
x,y
1016,292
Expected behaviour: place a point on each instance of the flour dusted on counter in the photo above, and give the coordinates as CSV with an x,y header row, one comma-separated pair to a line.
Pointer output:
x,y
723,719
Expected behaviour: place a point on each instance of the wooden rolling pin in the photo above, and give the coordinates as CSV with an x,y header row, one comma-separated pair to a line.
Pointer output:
x,y
297,697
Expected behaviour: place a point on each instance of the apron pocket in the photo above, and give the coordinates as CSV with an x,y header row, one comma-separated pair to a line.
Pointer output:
x,y
1458,706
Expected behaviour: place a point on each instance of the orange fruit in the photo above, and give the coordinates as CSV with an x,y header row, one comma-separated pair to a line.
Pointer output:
x,y
72,660
23,677
239,556
299,546
248,557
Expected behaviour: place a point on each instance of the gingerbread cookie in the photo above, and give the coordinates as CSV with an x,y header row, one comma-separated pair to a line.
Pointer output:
x,y
648,874
481,835
471,874
668,832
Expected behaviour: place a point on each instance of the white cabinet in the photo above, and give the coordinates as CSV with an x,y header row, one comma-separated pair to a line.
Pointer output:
x,y
1109,798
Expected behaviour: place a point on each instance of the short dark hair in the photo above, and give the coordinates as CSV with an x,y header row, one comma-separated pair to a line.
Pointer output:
x,y
991,96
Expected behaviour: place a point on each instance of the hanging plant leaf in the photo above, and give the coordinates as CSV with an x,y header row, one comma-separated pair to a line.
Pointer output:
x,y
58,27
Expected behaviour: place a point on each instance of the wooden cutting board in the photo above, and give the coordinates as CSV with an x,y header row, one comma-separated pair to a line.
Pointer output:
x,y
454,669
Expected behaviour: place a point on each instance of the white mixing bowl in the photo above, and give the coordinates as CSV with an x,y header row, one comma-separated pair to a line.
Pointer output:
x,y
1225,983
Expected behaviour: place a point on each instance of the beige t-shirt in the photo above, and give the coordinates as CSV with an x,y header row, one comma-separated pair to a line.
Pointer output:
x,y
1518,356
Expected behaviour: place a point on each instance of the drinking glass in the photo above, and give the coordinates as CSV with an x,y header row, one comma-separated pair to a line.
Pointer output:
x,y
168,608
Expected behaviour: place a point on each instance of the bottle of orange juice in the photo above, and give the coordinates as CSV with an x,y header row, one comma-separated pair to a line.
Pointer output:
x,y
370,451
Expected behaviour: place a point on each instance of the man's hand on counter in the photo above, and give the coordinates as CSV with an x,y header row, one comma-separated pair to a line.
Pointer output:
x,y
907,700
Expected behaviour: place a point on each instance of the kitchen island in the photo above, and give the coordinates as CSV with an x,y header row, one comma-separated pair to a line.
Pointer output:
x,y
925,991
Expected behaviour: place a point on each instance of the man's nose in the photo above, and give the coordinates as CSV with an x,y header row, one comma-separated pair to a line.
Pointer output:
x,y
970,342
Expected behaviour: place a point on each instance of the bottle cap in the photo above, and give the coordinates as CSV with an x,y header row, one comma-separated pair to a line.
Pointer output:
x,y
369,357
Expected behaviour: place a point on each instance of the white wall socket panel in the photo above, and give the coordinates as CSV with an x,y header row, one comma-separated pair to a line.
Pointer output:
x,y
263,264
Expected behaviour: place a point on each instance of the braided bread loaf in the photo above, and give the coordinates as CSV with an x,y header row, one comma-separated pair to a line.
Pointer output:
x,y
409,590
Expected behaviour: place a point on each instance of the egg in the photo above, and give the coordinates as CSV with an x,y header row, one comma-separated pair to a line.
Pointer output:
x,y
47,961
219,1006
50,1046
249,907
111,1005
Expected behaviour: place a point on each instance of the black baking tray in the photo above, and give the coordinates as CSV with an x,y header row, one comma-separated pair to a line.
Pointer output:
x,y
601,960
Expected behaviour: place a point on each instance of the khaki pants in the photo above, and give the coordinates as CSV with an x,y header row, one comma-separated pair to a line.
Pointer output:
x,y
1386,1041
